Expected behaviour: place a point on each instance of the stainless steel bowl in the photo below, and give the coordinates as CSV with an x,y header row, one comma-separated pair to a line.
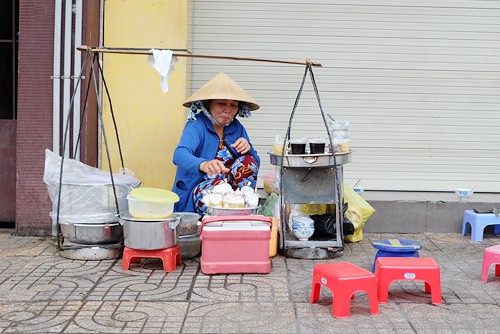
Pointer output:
x,y
211,211
150,234
89,233
188,224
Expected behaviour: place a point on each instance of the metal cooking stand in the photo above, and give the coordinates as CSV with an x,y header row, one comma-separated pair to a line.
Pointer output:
x,y
310,179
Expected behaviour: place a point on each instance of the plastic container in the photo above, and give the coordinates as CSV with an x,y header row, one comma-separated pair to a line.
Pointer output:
x,y
273,243
151,203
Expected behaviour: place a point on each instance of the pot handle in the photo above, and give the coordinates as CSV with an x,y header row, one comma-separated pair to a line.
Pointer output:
x,y
310,160
173,225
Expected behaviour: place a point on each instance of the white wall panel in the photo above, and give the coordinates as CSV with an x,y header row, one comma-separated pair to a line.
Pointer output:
x,y
420,82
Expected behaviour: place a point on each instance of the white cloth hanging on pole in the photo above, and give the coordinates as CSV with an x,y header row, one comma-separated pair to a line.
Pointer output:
x,y
164,63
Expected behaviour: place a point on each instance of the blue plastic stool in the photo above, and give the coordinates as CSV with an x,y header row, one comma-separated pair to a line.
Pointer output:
x,y
477,222
396,248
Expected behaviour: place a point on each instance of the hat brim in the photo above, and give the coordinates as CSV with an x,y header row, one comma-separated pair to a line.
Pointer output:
x,y
222,87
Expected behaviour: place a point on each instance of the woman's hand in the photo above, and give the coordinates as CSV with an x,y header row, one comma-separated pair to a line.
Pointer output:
x,y
241,145
213,167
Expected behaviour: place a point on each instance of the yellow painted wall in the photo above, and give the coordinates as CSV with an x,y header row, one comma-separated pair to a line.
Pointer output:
x,y
149,122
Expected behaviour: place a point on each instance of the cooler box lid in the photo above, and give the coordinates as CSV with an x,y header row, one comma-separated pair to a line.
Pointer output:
x,y
236,226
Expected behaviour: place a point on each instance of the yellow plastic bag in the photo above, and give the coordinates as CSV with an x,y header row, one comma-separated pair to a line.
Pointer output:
x,y
358,212
316,209
356,200
355,216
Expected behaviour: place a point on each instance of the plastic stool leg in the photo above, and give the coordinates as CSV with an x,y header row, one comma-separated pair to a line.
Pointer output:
x,y
125,261
433,285
477,232
496,229
427,287
371,291
497,269
341,305
315,290
436,298
168,263
383,288
464,227
485,269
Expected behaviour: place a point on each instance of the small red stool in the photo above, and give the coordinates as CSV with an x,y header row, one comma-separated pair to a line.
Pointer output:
x,y
344,279
389,269
491,256
170,256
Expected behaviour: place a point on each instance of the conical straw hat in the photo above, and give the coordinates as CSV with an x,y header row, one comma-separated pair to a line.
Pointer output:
x,y
222,87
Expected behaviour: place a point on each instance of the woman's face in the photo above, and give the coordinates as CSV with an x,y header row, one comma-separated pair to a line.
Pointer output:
x,y
223,111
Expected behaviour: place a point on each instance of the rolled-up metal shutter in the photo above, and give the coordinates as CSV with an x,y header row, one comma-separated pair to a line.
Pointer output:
x,y
419,81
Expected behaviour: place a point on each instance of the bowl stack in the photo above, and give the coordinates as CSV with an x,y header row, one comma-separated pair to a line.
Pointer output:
x,y
189,234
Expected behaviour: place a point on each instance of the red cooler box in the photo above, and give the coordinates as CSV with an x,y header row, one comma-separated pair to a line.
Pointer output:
x,y
235,244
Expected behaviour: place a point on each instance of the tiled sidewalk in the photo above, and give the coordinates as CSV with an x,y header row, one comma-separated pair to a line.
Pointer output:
x,y
41,292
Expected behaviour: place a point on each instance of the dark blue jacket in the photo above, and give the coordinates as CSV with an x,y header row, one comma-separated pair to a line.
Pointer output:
x,y
199,142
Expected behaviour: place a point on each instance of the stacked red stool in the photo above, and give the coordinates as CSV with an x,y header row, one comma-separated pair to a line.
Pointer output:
x,y
344,279
170,256
491,256
389,269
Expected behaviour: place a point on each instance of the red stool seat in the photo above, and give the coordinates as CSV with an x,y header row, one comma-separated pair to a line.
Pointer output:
x,y
170,256
491,256
344,279
389,269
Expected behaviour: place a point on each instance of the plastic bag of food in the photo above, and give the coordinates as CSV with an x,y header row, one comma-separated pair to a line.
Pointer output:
x,y
270,208
278,145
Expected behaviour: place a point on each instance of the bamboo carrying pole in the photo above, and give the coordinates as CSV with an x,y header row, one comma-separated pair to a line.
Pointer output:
x,y
177,54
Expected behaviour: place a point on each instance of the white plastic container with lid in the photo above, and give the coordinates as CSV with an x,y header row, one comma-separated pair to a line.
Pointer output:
x,y
151,203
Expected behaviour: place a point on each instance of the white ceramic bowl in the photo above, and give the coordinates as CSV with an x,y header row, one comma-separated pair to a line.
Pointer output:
x,y
464,193
302,227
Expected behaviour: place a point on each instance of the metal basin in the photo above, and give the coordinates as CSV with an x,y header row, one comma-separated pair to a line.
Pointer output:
x,y
89,233
188,224
150,234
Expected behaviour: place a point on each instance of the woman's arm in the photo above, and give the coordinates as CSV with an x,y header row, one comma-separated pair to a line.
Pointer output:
x,y
185,155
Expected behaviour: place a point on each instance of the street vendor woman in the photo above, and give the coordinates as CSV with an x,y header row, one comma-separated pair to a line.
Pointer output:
x,y
214,147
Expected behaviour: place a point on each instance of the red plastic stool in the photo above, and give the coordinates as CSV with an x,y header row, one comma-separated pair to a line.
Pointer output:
x,y
344,279
170,256
389,269
491,256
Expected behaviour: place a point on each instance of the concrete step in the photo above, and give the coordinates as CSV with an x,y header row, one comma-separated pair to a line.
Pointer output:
x,y
415,212
410,212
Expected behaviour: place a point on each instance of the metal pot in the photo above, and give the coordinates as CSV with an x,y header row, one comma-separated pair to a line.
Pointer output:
x,y
89,234
150,234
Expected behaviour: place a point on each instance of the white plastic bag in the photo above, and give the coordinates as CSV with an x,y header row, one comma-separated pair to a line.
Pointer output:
x,y
87,193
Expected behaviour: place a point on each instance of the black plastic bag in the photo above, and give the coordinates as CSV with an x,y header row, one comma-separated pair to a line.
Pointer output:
x,y
325,225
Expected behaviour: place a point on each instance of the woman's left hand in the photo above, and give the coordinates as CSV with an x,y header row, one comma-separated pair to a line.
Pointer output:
x,y
241,145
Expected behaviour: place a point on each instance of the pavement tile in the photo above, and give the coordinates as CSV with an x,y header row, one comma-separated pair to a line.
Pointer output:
x,y
41,292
